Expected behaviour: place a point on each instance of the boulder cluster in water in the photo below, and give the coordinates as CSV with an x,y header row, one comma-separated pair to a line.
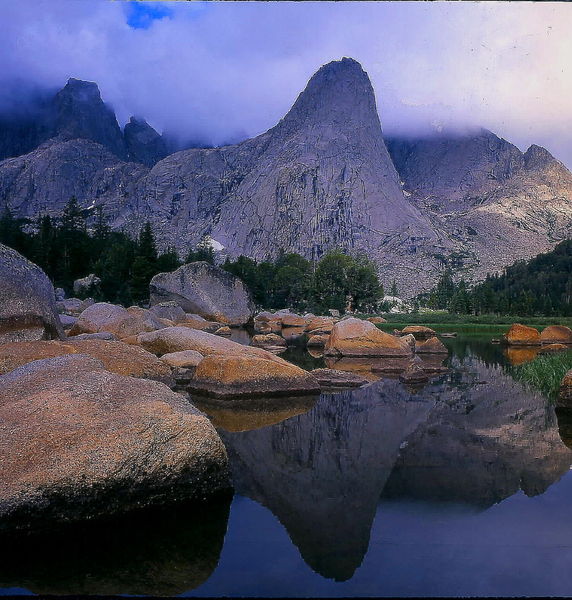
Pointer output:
x,y
95,416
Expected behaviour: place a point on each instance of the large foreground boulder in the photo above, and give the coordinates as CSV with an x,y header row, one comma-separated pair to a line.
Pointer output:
x,y
27,300
354,337
522,335
206,290
78,441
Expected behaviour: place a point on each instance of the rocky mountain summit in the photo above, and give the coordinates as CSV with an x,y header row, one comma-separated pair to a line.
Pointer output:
x,y
496,203
321,178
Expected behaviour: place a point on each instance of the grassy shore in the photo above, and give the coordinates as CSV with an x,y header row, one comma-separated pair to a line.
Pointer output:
x,y
444,321
545,372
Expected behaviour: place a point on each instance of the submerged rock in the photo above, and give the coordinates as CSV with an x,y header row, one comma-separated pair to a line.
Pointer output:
x,y
206,290
332,378
78,441
27,300
432,346
414,374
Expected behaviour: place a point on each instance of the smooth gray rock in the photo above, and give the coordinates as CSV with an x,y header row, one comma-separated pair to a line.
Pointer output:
x,y
27,300
170,310
86,284
67,321
100,315
206,290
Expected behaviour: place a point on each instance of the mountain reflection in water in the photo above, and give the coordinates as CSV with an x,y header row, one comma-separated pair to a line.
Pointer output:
x,y
472,436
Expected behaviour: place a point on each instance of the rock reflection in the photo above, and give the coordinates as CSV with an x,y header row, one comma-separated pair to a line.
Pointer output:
x,y
159,553
519,356
374,369
486,438
294,335
239,335
253,413
360,366
322,473
564,416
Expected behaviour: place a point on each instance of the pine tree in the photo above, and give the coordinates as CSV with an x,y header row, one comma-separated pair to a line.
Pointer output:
x,y
11,233
202,252
144,265
72,245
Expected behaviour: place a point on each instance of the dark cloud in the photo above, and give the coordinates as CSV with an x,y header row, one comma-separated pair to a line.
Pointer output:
x,y
222,71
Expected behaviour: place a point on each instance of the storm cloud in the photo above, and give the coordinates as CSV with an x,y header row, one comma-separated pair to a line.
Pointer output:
x,y
220,72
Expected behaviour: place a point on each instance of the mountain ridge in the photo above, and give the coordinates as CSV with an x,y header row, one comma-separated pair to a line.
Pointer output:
x,y
322,177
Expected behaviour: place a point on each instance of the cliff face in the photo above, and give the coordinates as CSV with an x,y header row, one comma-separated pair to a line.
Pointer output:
x,y
321,178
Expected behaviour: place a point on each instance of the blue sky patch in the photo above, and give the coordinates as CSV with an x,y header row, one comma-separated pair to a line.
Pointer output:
x,y
140,15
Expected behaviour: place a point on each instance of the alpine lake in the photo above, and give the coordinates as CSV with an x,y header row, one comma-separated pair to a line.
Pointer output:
x,y
459,487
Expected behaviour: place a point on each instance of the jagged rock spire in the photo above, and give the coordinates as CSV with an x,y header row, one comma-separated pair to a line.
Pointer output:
x,y
143,143
81,113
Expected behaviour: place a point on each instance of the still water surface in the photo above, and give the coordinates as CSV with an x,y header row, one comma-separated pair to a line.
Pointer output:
x,y
461,487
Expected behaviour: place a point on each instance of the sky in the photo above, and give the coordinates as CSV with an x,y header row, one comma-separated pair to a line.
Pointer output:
x,y
218,72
